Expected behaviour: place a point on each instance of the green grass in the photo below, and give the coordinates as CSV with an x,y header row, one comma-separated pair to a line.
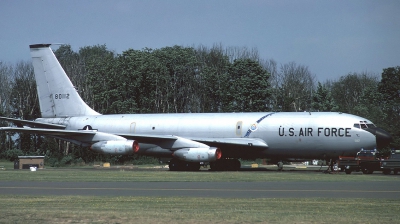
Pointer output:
x,y
85,209
162,175
6,164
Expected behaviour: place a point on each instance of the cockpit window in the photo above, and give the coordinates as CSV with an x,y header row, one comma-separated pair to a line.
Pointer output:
x,y
370,125
363,125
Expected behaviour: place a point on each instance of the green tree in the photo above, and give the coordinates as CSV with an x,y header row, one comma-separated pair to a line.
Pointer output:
x,y
349,91
249,86
294,85
178,69
6,74
370,105
212,78
25,103
92,60
322,99
389,87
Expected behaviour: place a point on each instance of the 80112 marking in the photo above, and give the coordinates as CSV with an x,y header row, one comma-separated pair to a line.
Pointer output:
x,y
61,96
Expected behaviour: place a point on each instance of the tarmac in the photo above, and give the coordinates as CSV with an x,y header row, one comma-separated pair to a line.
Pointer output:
x,y
264,189
287,189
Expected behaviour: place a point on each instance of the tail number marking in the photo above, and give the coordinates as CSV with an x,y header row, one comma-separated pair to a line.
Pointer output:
x,y
61,96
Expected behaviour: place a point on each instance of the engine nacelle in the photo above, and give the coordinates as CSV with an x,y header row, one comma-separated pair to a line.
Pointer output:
x,y
116,147
198,154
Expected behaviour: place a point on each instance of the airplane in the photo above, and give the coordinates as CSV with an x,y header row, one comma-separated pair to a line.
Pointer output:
x,y
187,139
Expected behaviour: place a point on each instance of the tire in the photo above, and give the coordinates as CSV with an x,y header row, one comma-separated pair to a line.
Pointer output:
x,y
386,172
347,171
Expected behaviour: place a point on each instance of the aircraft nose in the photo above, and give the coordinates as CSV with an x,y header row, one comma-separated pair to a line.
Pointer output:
x,y
383,138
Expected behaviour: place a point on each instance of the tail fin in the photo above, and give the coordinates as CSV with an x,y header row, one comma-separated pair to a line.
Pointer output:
x,y
57,95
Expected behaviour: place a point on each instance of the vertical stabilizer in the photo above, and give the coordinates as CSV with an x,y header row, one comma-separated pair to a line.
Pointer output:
x,y
57,95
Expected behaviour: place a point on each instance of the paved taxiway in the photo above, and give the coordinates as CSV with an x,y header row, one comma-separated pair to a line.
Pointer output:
x,y
279,189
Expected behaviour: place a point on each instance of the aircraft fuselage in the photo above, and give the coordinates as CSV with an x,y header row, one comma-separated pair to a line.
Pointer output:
x,y
287,134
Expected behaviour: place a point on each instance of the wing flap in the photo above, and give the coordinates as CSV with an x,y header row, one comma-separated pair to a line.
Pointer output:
x,y
226,142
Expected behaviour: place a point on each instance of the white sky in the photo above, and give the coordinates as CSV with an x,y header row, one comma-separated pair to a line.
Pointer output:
x,y
331,37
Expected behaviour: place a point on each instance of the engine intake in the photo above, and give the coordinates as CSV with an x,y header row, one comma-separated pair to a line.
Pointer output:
x,y
116,147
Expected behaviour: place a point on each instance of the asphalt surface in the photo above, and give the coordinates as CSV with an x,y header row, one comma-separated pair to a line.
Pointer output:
x,y
281,189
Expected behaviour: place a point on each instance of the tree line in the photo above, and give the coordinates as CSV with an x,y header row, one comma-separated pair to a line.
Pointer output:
x,y
188,80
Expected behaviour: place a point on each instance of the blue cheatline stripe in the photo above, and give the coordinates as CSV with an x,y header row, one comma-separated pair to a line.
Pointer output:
x,y
258,121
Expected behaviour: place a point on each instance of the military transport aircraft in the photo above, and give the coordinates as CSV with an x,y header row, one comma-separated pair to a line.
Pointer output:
x,y
190,138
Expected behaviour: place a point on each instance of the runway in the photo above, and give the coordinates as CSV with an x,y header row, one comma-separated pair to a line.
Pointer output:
x,y
279,189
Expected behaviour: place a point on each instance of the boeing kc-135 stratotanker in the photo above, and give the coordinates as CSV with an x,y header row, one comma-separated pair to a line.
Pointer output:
x,y
190,138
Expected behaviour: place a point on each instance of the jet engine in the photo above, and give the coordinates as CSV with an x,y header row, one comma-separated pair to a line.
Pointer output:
x,y
198,154
116,147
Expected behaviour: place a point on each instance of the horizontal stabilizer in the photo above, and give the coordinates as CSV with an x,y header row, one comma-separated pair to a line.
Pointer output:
x,y
52,132
33,124
80,137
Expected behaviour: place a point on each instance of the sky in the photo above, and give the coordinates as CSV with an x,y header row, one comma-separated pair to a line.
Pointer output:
x,y
331,37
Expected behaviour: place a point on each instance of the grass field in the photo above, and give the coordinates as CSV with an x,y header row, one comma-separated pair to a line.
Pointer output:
x,y
165,176
85,209
105,209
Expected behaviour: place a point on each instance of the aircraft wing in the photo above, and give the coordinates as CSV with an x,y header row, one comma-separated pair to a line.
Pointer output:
x,y
164,141
34,124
